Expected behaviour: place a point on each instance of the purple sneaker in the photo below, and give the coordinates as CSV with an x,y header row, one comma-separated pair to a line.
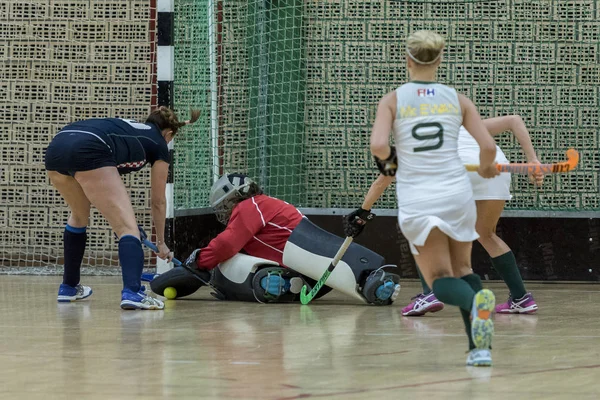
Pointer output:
x,y
524,305
422,304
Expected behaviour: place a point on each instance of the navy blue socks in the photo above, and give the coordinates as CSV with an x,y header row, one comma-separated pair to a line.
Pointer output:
x,y
74,240
131,257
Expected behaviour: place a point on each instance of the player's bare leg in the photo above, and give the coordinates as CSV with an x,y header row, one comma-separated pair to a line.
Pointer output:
x,y
503,259
423,302
488,215
74,237
434,257
105,190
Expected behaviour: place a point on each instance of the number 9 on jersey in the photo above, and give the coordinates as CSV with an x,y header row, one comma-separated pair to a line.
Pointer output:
x,y
437,134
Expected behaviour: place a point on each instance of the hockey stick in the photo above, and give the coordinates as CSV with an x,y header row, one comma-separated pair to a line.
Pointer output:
x,y
175,261
555,168
153,247
148,277
179,264
304,298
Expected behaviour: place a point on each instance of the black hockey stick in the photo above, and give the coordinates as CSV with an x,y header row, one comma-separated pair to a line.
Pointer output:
x,y
306,298
175,261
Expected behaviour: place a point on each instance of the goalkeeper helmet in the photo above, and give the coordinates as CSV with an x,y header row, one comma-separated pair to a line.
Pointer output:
x,y
226,192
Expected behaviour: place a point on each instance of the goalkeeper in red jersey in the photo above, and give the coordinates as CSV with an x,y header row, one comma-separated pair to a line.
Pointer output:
x,y
258,224
269,250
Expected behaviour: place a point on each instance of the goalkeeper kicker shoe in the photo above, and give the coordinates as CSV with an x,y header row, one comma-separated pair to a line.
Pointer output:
x,y
381,288
275,285
68,293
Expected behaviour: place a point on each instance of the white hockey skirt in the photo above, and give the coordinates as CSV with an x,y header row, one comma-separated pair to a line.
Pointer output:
x,y
497,188
454,215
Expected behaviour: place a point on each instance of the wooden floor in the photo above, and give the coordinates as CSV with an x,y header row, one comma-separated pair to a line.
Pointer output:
x,y
203,348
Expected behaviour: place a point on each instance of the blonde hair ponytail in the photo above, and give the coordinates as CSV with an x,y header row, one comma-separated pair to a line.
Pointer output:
x,y
425,47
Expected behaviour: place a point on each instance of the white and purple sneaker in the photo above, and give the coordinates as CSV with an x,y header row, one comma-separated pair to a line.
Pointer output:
x,y
422,304
524,305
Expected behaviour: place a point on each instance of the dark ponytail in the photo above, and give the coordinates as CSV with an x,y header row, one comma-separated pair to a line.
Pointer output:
x,y
165,118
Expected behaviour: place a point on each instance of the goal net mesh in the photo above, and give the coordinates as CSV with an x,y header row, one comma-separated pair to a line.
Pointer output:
x,y
298,81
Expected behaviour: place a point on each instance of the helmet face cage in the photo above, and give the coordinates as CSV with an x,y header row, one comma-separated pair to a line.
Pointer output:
x,y
223,210
224,193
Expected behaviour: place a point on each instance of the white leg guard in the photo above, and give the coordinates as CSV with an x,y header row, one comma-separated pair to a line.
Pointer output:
x,y
312,265
239,267
310,249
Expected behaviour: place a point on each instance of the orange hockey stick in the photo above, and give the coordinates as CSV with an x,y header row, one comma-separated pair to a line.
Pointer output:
x,y
556,168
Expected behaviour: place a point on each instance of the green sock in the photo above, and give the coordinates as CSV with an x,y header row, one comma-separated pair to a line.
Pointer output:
x,y
506,266
466,316
426,288
454,291
458,293
475,282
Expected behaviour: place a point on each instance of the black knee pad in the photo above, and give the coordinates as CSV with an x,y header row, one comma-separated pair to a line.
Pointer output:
x,y
181,279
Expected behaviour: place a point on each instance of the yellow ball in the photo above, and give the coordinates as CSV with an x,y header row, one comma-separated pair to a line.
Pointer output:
x,y
170,293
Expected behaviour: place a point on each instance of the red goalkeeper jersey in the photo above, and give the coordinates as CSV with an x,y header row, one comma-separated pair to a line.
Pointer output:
x,y
260,225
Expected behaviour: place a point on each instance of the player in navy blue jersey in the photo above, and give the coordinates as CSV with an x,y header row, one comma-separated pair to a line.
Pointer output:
x,y
84,162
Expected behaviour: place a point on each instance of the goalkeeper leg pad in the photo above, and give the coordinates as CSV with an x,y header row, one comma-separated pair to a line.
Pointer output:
x,y
343,278
181,279
310,249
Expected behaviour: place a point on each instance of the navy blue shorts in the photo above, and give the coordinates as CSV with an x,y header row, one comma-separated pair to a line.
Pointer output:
x,y
70,152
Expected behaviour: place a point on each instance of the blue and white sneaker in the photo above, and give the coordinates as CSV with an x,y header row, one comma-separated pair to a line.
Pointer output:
x,y
479,358
482,326
68,293
139,301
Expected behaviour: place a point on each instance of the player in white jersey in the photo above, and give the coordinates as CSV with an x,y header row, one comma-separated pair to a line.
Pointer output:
x,y
490,197
436,210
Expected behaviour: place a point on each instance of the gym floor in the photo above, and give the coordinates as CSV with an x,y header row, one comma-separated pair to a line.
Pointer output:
x,y
203,348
